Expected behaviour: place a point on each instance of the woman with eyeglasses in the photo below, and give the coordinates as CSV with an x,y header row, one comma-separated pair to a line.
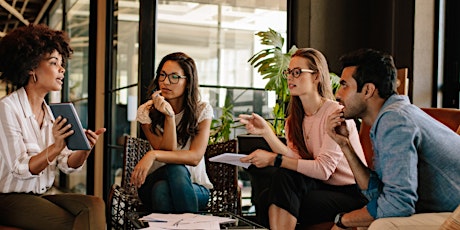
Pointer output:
x,y
172,177
313,182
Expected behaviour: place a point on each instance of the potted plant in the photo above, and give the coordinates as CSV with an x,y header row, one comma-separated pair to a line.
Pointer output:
x,y
270,63
221,127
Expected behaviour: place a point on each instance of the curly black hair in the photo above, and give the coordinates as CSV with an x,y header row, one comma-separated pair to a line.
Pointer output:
x,y
22,49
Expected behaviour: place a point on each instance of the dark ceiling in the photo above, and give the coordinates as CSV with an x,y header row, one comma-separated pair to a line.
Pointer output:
x,y
15,13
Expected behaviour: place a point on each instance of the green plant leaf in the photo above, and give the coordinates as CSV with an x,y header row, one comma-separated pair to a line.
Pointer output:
x,y
270,64
221,127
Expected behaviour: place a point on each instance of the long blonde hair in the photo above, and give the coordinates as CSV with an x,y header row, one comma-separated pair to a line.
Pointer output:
x,y
317,62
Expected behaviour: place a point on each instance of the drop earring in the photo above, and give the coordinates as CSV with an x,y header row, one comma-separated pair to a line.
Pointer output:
x,y
35,78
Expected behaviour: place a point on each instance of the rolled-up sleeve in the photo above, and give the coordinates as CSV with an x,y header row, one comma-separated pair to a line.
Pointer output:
x,y
62,162
392,189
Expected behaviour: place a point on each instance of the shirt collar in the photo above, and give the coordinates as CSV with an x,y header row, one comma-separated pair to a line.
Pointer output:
x,y
393,101
24,101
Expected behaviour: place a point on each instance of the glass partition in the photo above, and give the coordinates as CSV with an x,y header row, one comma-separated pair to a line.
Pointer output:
x,y
218,35
75,89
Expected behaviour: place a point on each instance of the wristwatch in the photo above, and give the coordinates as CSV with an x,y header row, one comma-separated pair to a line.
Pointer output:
x,y
278,160
338,220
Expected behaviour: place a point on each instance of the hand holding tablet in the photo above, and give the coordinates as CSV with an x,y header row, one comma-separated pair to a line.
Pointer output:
x,y
78,140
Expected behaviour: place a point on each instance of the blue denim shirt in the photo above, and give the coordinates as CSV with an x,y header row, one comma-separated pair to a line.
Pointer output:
x,y
417,162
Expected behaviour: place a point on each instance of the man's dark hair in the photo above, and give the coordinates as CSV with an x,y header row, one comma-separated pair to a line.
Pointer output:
x,y
374,67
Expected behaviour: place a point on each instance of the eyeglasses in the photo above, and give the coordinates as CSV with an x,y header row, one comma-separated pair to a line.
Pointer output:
x,y
296,72
173,78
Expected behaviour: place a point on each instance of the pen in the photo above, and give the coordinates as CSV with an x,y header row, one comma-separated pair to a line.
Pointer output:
x,y
156,220
177,222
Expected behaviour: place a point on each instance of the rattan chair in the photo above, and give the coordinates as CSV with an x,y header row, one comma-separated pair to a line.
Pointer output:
x,y
226,195
123,202
123,205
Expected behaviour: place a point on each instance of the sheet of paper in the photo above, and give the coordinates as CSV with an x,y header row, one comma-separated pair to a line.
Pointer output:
x,y
230,158
184,221
189,226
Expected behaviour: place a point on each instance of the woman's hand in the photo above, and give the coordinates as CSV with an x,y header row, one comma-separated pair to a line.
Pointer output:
x,y
93,136
61,131
260,158
337,128
142,168
161,104
255,124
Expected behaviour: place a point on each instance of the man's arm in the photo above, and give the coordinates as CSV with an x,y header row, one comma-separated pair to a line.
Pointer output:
x,y
357,218
337,130
360,171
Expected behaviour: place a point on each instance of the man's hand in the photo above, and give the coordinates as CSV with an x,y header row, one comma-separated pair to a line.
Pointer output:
x,y
338,228
337,128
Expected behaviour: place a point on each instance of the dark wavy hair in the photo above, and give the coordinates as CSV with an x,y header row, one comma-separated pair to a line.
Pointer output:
x,y
22,49
374,67
188,126
317,62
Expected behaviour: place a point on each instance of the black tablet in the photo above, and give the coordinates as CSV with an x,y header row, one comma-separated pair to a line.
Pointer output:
x,y
78,140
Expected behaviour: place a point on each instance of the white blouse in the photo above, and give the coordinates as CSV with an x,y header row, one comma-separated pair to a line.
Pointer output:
x,y
20,139
197,173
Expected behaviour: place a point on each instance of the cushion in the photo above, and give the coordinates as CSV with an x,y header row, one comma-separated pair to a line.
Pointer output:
x,y
422,221
453,221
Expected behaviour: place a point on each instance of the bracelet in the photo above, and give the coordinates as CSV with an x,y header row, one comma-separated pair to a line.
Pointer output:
x,y
278,160
47,160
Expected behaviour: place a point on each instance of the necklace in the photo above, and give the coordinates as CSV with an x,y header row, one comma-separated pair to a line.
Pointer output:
x,y
40,117
311,122
319,107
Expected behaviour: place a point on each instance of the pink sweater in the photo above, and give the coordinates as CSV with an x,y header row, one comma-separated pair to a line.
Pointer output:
x,y
329,164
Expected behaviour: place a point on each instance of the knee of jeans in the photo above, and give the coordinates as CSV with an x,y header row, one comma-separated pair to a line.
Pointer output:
x,y
174,170
160,192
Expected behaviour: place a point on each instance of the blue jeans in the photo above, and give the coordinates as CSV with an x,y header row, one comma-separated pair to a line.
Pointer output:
x,y
169,189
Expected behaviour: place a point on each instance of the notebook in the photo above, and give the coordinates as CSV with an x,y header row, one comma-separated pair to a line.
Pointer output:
x,y
78,140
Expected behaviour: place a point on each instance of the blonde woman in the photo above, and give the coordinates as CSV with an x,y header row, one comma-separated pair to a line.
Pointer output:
x,y
314,181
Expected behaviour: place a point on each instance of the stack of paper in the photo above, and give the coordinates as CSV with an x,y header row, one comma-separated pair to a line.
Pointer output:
x,y
230,158
184,221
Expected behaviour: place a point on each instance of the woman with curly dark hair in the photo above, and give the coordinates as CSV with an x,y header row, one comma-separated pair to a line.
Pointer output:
x,y
32,141
172,177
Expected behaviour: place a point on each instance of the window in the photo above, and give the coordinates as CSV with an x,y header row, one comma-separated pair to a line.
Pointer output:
x,y
219,36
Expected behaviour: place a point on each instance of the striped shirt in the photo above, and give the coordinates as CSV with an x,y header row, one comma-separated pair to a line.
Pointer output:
x,y
20,139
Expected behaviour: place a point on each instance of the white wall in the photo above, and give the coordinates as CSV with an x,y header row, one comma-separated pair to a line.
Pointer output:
x,y
423,52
